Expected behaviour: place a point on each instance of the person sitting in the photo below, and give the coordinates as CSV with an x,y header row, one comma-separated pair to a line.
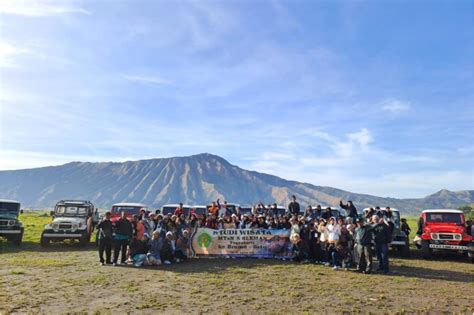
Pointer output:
x,y
350,209
154,249
167,252
180,210
299,253
182,245
139,250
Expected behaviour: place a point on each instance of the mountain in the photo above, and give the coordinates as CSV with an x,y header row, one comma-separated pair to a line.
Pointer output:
x,y
196,179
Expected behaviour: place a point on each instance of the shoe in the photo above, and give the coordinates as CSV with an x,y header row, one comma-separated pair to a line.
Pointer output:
x,y
108,263
178,260
102,264
167,262
336,268
114,264
327,264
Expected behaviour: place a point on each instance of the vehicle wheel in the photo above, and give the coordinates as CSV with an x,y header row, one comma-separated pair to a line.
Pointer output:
x,y
425,249
470,254
17,239
84,239
405,250
44,240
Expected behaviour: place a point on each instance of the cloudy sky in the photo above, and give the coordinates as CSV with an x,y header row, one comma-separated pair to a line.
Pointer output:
x,y
374,97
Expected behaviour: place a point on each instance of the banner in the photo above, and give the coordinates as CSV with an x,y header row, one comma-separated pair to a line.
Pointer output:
x,y
256,243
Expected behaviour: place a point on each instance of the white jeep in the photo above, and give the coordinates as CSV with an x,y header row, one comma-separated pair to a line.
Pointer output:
x,y
72,220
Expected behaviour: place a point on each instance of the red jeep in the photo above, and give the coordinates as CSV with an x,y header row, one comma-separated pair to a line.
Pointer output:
x,y
445,230
130,209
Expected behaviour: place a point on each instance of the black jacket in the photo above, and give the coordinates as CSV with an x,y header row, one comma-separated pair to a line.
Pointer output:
x,y
124,227
294,208
106,228
381,233
138,247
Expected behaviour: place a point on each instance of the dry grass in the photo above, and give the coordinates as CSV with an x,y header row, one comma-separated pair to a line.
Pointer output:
x,y
68,279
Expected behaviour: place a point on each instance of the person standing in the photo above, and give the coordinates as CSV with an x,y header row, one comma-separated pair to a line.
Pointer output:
x,y
382,238
180,210
105,239
363,239
350,209
123,234
294,207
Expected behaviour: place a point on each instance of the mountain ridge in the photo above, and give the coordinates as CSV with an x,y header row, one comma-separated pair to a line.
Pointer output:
x,y
194,179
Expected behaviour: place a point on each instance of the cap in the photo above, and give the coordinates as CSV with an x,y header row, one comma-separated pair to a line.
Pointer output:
x,y
169,233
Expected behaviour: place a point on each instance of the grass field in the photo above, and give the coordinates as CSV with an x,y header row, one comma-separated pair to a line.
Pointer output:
x,y
67,279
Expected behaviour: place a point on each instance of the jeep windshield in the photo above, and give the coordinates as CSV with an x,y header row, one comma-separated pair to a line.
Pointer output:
x,y
73,211
396,219
129,210
444,218
9,207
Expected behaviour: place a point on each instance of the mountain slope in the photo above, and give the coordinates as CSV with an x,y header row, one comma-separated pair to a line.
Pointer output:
x,y
194,179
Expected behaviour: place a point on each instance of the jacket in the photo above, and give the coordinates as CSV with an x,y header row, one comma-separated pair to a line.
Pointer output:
x,y
294,208
381,233
363,235
124,227
106,229
138,247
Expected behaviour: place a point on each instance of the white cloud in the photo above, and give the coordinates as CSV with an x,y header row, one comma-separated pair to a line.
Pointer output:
x,y
395,106
39,8
155,80
8,52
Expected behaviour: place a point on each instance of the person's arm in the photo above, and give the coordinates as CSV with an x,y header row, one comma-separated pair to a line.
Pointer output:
x,y
343,206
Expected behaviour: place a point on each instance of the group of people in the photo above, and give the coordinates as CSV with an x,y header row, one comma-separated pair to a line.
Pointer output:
x,y
316,235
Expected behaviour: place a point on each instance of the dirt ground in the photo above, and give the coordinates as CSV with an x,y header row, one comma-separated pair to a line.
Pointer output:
x,y
68,279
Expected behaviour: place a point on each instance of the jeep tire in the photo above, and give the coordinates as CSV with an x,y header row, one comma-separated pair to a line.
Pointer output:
x,y
44,241
84,240
425,249
470,253
16,240
405,250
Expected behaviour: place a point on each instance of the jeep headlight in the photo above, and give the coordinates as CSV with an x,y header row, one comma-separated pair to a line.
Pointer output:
x,y
79,225
458,237
74,226
11,222
55,226
434,236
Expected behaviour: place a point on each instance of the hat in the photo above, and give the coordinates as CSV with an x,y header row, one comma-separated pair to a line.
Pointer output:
x,y
169,233
146,234
185,231
358,220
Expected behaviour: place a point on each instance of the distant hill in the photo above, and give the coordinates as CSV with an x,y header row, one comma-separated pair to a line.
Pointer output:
x,y
195,179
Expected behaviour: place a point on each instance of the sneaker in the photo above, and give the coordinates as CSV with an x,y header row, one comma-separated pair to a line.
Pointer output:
x,y
114,264
167,262
102,264
327,264
336,268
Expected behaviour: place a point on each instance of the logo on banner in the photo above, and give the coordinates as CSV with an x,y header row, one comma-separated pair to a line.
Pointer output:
x,y
204,240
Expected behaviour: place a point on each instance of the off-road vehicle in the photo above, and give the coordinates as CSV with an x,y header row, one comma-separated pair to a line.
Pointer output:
x,y
72,220
445,230
10,227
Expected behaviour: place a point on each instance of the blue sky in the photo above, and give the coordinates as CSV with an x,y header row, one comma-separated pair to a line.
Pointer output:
x,y
373,97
